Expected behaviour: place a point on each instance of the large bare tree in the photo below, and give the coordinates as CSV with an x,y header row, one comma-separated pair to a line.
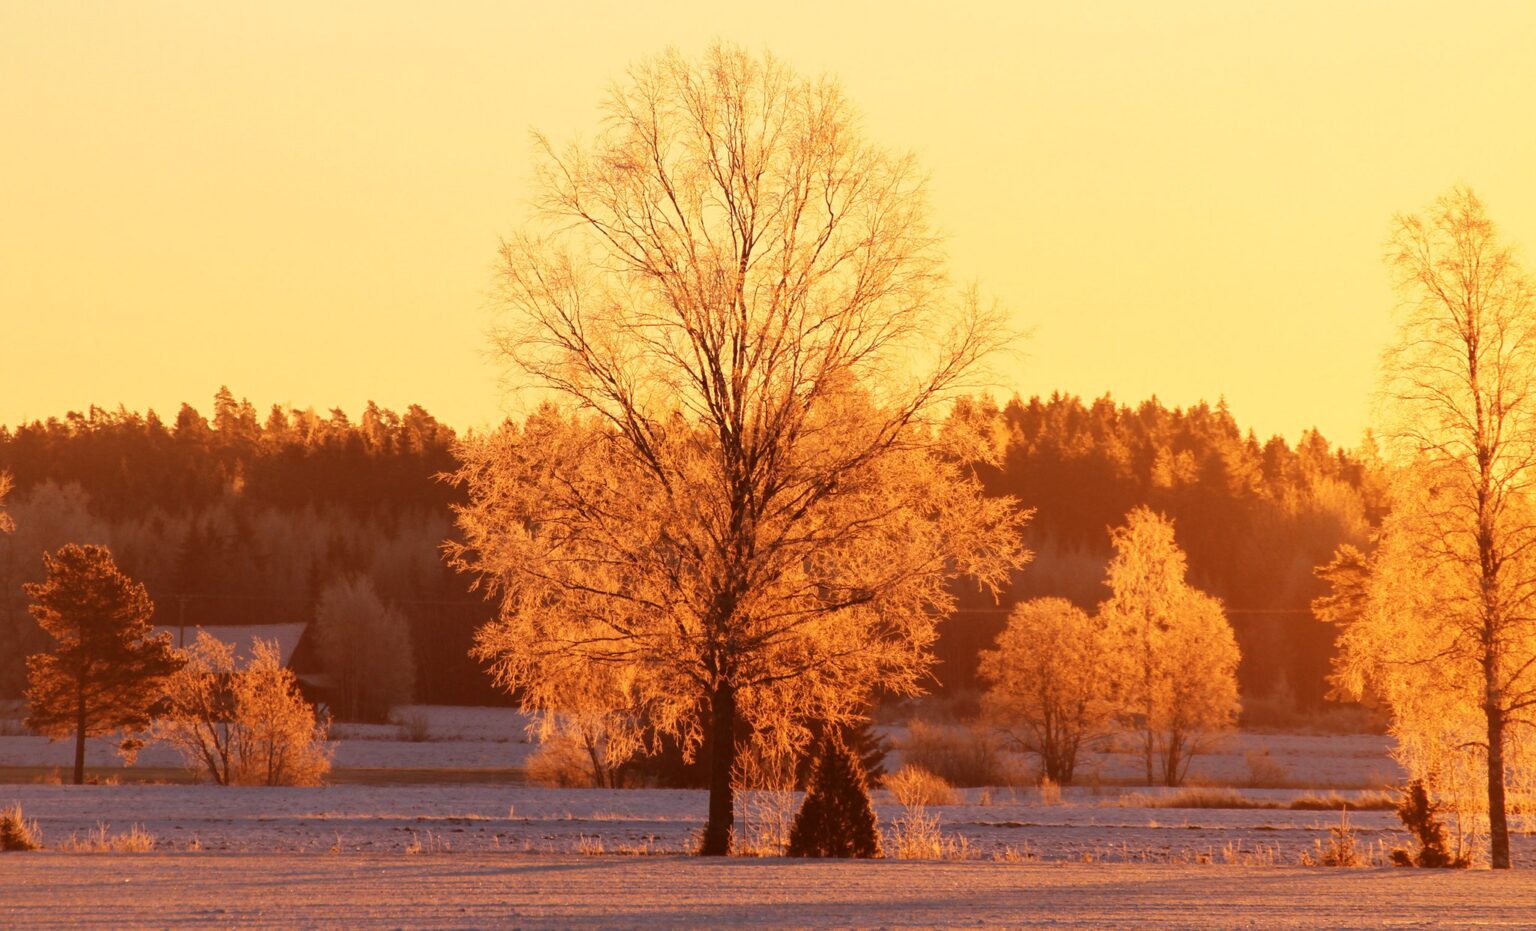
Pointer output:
x,y
1441,620
739,506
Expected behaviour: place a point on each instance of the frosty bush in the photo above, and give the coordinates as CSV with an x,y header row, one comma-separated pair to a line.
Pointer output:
x,y
561,763
836,819
913,785
242,726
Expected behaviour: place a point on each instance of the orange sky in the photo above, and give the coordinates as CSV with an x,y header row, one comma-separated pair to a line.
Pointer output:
x,y
302,200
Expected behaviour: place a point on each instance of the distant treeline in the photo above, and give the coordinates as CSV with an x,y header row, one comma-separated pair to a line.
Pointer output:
x,y
240,519
1253,516
243,519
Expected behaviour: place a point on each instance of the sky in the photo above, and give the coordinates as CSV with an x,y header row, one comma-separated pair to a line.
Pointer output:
x,y
303,200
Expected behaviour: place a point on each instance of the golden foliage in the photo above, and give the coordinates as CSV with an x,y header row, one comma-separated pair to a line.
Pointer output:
x,y
746,506
1051,683
1176,682
1439,622
243,726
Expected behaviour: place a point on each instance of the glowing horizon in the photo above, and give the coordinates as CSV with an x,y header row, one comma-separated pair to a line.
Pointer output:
x,y
303,203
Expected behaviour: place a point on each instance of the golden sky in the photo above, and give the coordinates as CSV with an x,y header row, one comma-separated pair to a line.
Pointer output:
x,y
302,200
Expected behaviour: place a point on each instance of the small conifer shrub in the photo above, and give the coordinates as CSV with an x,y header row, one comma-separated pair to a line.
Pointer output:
x,y
1419,815
836,819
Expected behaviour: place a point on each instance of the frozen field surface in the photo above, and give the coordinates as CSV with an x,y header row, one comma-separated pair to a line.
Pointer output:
x,y
519,890
517,818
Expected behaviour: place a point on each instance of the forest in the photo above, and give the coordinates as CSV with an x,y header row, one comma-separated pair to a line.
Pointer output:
x,y
243,519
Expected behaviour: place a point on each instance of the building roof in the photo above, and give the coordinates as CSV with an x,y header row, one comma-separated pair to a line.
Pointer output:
x,y
241,637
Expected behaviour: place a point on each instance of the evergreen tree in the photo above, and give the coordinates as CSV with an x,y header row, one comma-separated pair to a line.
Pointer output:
x,y
106,667
836,819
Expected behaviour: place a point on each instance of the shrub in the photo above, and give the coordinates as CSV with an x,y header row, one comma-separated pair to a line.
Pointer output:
x,y
961,756
17,832
561,763
1420,815
836,819
913,785
242,726
1264,771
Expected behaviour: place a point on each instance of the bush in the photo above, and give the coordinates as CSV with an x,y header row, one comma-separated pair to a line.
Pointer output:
x,y
961,756
1264,771
17,832
242,726
913,785
561,763
1419,815
836,819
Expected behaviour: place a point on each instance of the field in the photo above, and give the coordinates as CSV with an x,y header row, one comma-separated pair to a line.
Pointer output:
x,y
413,831
501,890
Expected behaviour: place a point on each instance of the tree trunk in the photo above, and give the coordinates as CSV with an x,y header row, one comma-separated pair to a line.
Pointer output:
x,y
722,759
80,741
1498,823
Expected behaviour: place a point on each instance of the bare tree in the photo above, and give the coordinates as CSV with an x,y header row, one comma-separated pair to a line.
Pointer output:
x,y
1459,388
745,509
1177,677
1051,682
364,645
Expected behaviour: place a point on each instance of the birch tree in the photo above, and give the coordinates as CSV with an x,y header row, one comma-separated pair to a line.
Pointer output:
x,y
1445,630
738,503
1176,685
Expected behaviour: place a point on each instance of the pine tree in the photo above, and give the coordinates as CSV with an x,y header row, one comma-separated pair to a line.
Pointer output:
x,y
106,667
1420,815
836,819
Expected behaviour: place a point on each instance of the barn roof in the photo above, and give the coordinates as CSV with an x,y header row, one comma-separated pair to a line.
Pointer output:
x,y
241,637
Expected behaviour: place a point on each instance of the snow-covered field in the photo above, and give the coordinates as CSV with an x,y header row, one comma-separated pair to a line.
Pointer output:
x,y
514,890
487,818
436,849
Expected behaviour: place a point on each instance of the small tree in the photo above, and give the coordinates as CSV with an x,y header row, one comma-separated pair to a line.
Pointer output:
x,y
6,525
365,646
1177,658
106,667
1421,816
1050,683
836,819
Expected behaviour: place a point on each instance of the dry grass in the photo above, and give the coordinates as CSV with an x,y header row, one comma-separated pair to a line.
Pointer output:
x,y
434,843
17,832
1333,801
915,786
916,836
133,840
1193,797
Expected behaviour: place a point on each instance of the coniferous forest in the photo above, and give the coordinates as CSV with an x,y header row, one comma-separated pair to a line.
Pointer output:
x,y
239,518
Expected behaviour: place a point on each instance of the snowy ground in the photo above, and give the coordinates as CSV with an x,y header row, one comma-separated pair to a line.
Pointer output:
x,y
512,890
487,818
